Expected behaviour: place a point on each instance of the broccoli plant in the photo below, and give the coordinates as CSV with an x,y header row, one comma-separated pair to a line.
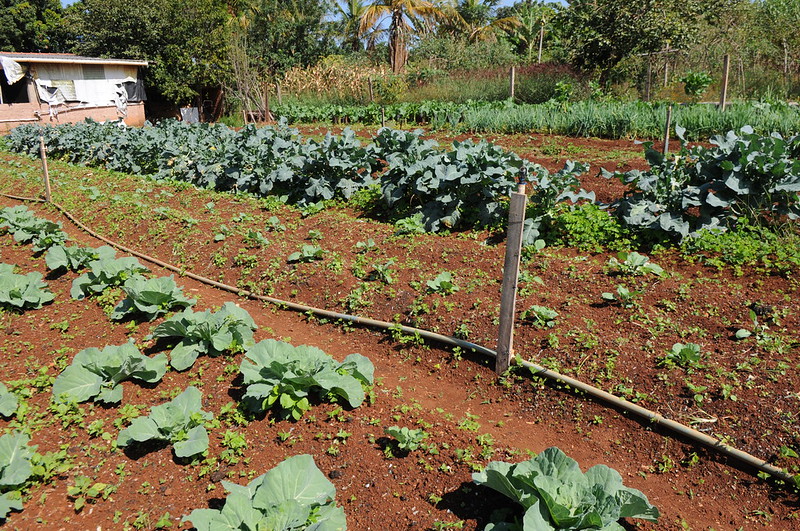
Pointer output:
x,y
150,297
286,377
98,373
181,422
229,329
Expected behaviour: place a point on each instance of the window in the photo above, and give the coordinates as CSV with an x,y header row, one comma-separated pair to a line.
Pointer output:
x,y
94,72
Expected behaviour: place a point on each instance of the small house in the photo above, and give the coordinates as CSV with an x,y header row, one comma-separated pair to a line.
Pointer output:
x,y
52,88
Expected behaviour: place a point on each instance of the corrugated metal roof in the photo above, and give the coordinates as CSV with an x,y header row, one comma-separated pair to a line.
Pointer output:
x,y
68,58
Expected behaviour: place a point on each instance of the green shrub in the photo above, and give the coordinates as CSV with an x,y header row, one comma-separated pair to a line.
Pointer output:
x,y
587,227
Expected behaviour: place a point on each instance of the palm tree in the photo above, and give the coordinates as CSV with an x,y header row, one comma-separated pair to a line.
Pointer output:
x,y
406,17
477,20
349,23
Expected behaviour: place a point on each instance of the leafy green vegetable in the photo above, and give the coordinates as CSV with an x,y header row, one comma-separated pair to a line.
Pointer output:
x,y
540,316
443,283
407,439
8,401
151,297
106,272
98,373
26,227
75,257
180,422
231,328
557,495
281,375
15,469
292,496
744,176
633,263
687,356
22,291
308,253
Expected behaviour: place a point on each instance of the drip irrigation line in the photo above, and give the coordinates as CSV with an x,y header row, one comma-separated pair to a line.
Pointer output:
x,y
537,370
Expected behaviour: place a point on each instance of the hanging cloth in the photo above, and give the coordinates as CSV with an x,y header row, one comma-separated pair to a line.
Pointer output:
x,y
13,70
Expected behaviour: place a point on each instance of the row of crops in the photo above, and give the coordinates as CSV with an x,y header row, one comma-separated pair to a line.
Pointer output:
x,y
743,178
404,175
276,376
585,118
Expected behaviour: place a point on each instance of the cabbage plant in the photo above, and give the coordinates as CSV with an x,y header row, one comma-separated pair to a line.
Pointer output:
x,y
292,496
286,377
229,329
556,495
22,292
181,422
96,373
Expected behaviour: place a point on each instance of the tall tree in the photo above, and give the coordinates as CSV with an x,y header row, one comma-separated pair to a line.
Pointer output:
x,y
780,19
349,24
405,17
183,39
532,17
31,26
602,33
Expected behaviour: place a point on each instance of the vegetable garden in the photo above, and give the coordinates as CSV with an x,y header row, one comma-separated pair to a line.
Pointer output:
x,y
143,400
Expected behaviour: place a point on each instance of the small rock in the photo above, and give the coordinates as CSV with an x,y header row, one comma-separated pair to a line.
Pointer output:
x,y
335,474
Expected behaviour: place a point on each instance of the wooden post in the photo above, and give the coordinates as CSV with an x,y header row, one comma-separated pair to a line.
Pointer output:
x,y
541,41
279,93
666,130
508,298
371,91
666,70
43,153
726,65
511,80
649,78
383,117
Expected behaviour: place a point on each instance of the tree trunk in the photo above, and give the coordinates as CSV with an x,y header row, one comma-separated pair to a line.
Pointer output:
x,y
398,55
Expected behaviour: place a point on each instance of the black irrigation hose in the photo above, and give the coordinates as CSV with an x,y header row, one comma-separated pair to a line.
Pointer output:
x,y
537,370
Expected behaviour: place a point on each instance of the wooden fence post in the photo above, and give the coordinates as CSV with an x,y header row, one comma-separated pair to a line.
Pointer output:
x,y
726,65
666,130
511,82
43,153
541,41
508,298
279,93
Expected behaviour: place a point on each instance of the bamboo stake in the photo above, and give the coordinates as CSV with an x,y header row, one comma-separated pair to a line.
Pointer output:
x,y
45,171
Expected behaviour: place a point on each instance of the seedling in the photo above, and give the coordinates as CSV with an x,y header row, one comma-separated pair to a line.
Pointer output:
x,y
634,264
442,284
687,356
308,253
622,296
540,316
407,440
